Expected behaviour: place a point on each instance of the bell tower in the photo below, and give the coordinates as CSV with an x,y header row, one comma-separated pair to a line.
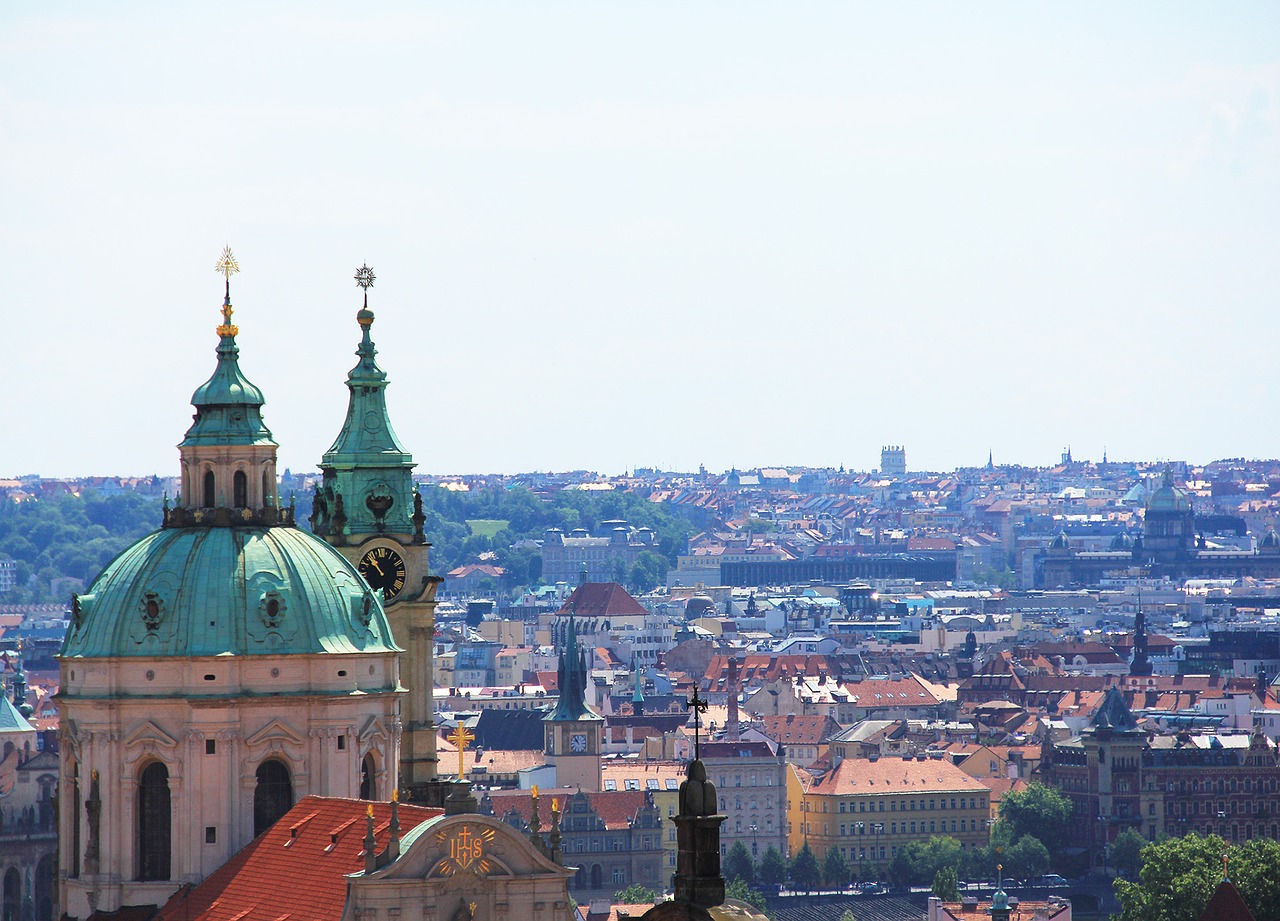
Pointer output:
x,y
572,731
369,509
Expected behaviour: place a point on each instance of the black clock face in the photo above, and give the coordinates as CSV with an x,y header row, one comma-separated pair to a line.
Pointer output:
x,y
383,568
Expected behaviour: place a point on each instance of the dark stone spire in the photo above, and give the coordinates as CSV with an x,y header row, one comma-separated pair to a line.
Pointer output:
x,y
1141,666
571,674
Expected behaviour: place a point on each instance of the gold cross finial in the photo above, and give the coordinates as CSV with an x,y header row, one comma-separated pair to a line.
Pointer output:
x,y
1224,863
226,266
461,737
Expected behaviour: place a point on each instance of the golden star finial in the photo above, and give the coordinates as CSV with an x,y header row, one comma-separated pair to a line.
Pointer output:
x,y
226,266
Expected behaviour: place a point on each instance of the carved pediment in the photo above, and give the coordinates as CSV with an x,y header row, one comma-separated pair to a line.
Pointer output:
x,y
469,846
150,734
277,732
372,731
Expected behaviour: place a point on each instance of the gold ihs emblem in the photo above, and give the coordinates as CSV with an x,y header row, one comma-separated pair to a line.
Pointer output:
x,y
467,850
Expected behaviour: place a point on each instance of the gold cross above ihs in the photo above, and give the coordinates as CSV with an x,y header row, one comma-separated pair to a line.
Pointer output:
x,y
461,737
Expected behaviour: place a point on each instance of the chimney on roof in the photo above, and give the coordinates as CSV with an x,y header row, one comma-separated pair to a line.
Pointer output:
x,y
731,724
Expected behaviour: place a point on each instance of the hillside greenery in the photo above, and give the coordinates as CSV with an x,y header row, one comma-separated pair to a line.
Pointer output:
x,y
75,536
69,537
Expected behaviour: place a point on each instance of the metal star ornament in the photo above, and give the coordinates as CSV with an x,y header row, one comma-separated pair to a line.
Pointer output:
x,y
364,278
226,266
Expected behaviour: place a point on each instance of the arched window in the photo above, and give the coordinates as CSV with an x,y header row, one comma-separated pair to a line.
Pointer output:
x,y
597,876
44,888
209,496
272,797
368,785
240,489
12,895
267,491
76,812
155,822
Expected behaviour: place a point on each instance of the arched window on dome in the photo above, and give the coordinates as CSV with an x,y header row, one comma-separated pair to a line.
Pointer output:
x,y
368,779
209,495
12,896
267,491
240,489
273,796
155,822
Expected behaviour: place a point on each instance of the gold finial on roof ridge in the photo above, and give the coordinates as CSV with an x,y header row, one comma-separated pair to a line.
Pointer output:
x,y
226,266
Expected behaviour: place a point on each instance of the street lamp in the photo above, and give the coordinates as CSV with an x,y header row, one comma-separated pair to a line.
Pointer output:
x,y
755,848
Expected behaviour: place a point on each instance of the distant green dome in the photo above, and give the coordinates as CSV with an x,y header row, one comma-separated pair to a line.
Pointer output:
x,y
1169,498
228,591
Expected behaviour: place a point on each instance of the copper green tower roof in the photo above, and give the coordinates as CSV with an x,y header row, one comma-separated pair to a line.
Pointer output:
x,y
366,466
228,406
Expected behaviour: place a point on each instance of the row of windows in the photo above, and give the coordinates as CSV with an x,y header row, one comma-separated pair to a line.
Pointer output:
x,y
272,798
239,489
935,825
912,805
877,805
723,780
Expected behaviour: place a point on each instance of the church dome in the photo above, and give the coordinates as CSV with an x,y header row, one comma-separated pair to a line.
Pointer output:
x,y
1061,542
209,591
1122,541
1169,498
1271,541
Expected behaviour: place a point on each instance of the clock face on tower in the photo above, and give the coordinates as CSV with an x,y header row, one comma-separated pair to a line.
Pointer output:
x,y
578,743
383,569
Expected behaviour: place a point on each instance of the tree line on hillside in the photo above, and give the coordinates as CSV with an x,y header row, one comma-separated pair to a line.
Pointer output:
x,y
76,536
69,536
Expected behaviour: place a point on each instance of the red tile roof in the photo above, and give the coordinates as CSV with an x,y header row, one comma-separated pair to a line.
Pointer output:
x,y
1226,905
601,599
296,868
896,775
799,730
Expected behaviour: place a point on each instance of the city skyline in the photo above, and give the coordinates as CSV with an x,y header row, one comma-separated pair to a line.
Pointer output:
x,y
658,236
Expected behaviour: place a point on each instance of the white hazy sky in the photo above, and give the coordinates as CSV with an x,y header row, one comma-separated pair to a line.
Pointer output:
x,y
620,234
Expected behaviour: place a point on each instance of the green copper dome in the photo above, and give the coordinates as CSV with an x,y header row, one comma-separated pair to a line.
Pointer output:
x,y
1168,497
228,591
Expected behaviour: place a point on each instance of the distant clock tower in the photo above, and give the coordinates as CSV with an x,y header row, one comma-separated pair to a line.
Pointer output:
x,y
368,508
572,732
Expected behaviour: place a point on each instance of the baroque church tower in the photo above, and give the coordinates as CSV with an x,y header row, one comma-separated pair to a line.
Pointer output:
x,y
369,509
216,671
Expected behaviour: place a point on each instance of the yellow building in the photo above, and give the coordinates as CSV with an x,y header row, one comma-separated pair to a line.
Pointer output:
x,y
869,809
